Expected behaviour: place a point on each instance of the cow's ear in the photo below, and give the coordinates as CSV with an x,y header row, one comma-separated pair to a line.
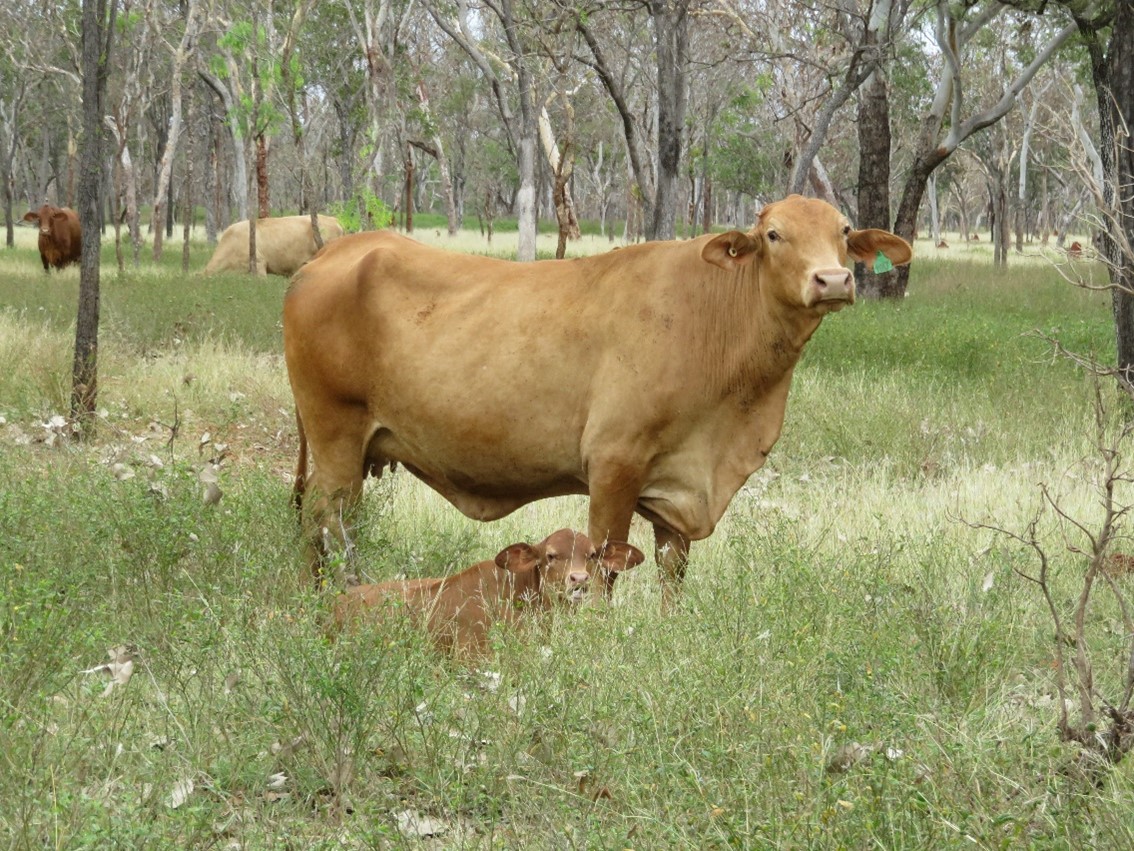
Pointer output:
x,y
517,558
31,217
59,215
865,245
618,556
730,250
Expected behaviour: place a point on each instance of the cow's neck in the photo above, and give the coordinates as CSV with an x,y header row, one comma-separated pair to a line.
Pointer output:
x,y
520,588
759,343
758,365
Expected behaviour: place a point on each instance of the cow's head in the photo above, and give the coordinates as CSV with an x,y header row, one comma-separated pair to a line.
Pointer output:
x,y
565,563
802,246
44,216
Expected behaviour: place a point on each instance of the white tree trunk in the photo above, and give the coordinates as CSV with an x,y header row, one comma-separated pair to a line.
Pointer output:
x,y
180,57
526,200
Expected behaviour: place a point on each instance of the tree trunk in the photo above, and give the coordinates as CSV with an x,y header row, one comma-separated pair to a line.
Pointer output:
x,y
408,189
185,50
239,184
10,119
212,183
641,181
934,218
998,205
263,190
116,214
874,175
1115,93
671,30
95,62
188,190
707,202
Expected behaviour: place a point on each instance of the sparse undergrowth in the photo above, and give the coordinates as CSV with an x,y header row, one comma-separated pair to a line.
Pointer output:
x,y
850,664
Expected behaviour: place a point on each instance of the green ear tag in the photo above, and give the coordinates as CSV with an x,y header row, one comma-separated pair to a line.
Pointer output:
x,y
882,264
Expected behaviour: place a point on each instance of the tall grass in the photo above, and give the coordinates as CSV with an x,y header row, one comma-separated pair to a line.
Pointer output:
x,y
850,664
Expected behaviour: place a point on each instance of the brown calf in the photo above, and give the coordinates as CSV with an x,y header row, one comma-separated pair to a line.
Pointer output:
x,y
60,237
459,610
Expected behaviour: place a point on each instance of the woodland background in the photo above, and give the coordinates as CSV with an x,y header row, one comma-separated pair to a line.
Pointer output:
x,y
652,119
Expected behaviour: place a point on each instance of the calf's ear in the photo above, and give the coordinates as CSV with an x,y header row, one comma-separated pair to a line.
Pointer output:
x,y
865,245
518,558
730,250
618,556
31,217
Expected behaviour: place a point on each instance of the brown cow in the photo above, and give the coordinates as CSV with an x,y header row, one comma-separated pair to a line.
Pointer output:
x,y
653,378
60,237
460,610
283,244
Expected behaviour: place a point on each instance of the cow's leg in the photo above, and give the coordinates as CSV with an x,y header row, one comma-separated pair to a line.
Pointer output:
x,y
614,494
333,490
671,552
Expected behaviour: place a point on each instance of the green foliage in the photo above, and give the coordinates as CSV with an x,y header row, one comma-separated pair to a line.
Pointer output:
x,y
746,154
241,39
365,211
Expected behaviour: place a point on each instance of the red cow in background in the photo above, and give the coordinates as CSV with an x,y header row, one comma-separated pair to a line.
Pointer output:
x,y
60,237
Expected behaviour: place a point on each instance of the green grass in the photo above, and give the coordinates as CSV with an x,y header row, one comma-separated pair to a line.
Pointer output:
x,y
840,602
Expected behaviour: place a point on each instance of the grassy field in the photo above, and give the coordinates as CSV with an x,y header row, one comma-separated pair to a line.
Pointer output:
x,y
851,665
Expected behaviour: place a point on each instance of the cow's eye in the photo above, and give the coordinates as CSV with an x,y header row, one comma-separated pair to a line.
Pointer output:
x,y
773,236
846,230
552,556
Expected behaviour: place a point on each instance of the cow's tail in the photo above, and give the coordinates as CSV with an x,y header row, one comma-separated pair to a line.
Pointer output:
x,y
300,485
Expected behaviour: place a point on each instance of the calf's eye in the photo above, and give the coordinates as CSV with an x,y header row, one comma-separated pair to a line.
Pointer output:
x,y
773,236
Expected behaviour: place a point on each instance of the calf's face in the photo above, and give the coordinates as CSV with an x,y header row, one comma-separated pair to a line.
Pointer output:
x,y
566,565
44,217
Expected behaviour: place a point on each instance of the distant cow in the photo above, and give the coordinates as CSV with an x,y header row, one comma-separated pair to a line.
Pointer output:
x,y
283,244
60,237
459,610
653,378
1075,251
942,244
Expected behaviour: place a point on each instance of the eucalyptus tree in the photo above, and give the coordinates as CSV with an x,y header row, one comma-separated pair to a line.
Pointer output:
x,y
428,74
97,39
1107,31
181,55
639,89
503,60
947,121
613,38
552,32
16,84
42,47
139,32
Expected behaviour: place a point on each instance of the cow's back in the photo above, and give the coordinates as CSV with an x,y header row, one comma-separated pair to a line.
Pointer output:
x,y
283,244
288,241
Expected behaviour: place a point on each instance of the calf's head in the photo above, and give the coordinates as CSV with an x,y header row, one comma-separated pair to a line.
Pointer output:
x,y
44,216
563,567
802,246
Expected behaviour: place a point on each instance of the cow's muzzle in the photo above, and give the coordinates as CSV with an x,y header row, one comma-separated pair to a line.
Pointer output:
x,y
578,586
831,288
